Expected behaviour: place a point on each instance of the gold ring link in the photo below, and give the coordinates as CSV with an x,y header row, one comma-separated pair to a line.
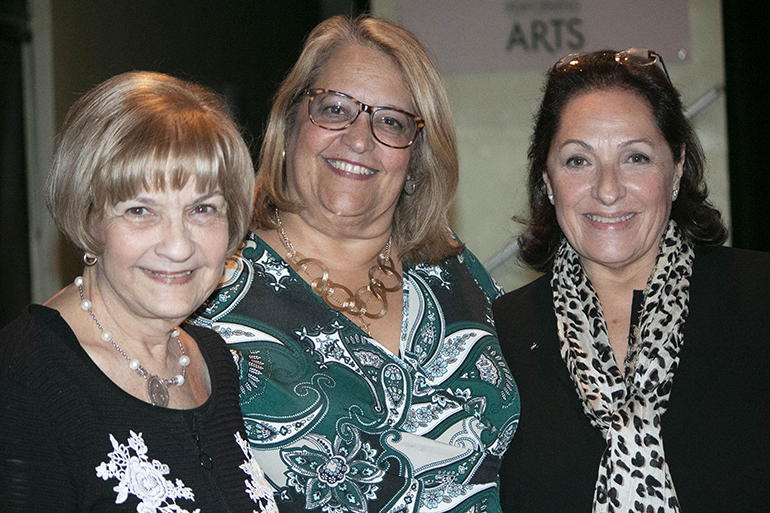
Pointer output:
x,y
386,267
346,305
360,300
356,304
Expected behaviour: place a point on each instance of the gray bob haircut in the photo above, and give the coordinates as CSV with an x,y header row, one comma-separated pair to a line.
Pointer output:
x,y
146,131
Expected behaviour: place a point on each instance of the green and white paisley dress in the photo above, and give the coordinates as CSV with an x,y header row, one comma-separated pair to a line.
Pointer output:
x,y
340,424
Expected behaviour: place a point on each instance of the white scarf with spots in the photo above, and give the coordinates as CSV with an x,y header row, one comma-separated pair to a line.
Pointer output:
x,y
627,408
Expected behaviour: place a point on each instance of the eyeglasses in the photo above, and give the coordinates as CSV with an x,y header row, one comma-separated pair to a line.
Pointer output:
x,y
333,110
636,56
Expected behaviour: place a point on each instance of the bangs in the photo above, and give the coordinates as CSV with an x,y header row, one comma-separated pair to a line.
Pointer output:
x,y
160,153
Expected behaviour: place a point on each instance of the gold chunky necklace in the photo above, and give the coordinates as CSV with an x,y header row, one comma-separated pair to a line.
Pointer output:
x,y
356,304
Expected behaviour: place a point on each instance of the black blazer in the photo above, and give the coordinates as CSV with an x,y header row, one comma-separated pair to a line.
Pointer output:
x,y
716,432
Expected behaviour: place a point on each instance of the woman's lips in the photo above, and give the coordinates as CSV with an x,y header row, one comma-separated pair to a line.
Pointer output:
x,y
170,277
347,167
609,219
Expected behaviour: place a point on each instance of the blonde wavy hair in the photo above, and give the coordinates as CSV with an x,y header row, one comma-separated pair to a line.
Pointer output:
x,y
420,227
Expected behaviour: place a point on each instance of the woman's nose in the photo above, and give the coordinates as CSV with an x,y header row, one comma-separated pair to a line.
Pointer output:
x,y
359,136
609,187
176,242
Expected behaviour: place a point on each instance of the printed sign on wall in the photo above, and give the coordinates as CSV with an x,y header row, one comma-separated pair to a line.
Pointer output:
x,y
505,35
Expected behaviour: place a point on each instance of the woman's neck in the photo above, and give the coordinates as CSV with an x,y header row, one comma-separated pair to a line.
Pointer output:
x,y
342,247
136,334
626,277
349,259
615,288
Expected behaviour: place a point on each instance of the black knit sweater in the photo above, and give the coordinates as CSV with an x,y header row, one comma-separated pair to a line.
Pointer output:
x,y
72,440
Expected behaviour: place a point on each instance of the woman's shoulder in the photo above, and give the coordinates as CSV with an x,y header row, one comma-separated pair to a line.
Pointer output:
x,y
726,255
482,277
254,246
25,338
214,350
533,292
461,268
728,287
525,317
717,266
204,336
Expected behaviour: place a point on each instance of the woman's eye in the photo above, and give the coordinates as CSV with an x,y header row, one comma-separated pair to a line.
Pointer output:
x,y
334,111
137,211
639,158
205,209
391,123
576,161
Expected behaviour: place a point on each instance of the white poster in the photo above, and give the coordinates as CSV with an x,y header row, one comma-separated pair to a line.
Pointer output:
x,y
505,35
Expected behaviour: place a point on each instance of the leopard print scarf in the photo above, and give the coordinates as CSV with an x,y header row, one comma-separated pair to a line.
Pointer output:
x,y
627,408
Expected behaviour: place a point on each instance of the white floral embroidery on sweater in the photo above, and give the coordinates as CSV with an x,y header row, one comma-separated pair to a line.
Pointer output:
x,y
143,478
257,487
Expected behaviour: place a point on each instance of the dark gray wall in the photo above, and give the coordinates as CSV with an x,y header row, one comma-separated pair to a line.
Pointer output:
x,y
240,48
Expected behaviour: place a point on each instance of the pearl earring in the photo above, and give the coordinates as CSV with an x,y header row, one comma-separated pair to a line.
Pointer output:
x,y
676,193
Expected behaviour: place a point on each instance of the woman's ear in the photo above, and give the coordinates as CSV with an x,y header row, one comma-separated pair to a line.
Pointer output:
x,y
548,188
94,229
679,168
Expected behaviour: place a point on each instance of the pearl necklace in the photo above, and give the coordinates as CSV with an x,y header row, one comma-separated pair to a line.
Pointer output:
x,y
157,388
352,304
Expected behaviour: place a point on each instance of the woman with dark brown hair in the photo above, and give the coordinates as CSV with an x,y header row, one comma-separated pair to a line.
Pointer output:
x,y
642,354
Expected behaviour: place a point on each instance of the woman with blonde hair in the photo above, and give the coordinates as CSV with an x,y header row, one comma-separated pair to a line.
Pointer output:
x,y
371,375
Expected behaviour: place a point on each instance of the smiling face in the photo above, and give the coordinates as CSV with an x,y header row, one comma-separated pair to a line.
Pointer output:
x,y
348,176
163,252
612,176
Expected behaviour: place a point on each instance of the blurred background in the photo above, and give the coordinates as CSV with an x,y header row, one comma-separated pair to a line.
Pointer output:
x,y
52,51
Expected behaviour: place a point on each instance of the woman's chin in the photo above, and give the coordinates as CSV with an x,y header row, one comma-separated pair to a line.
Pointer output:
x,y
172,305
352,210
